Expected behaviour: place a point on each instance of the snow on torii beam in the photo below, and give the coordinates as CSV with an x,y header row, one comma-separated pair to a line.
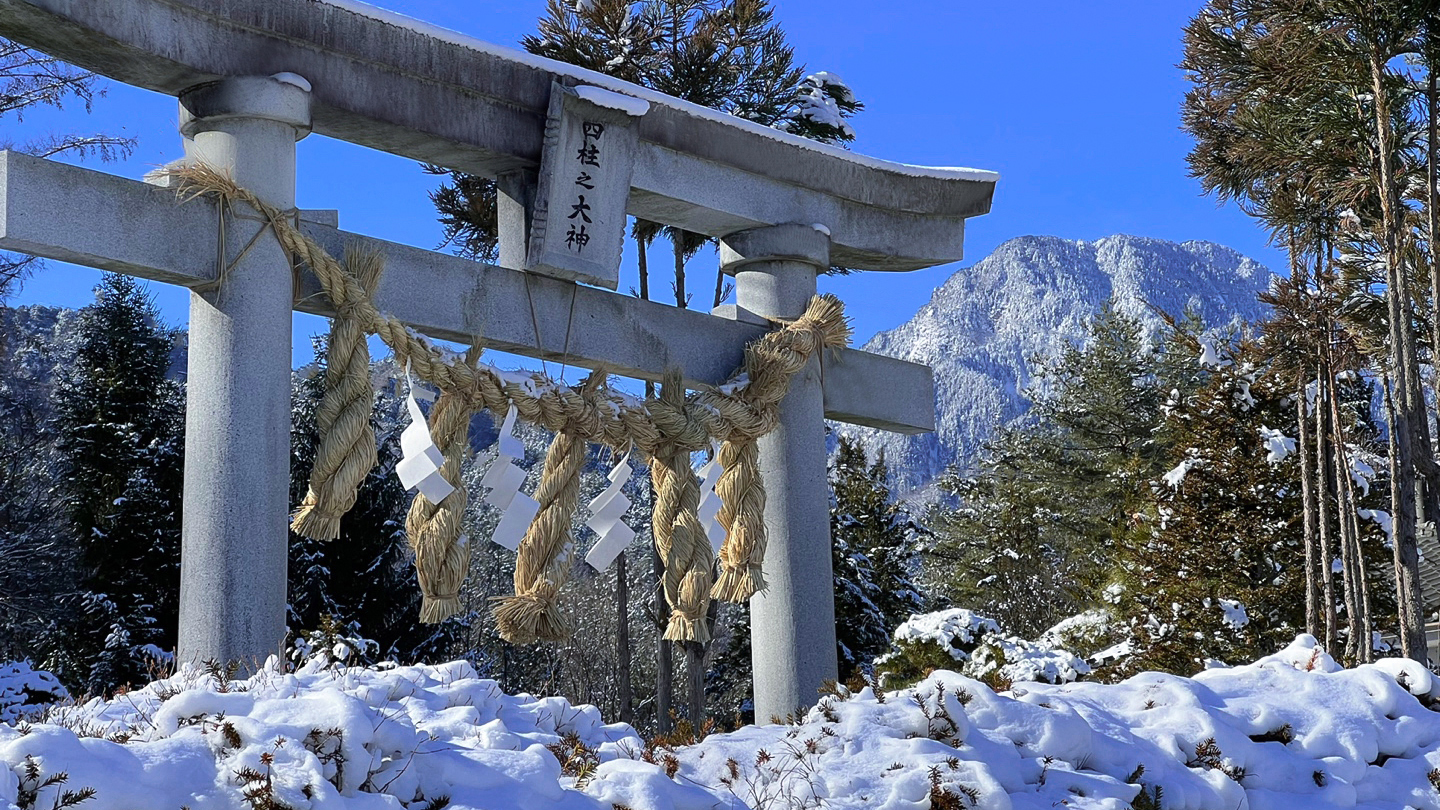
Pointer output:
x,y
388,82
91,218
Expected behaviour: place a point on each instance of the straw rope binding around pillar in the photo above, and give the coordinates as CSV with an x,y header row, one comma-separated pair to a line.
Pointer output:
x,y
347,440
666,430
753,411
541,563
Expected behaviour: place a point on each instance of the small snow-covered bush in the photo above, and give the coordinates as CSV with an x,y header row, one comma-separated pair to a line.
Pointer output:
x,y
333,644
1084,634
1002,660
26,691
981,649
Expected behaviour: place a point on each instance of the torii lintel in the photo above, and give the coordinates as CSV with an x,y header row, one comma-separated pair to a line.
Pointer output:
x,y
130,227
395,84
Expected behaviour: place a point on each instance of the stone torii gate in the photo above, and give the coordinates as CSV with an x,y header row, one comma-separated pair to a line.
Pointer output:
x,y
255,76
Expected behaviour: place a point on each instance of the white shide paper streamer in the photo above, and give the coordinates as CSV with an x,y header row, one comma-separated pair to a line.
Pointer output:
x,y
504,479
709,509
421,460
606,512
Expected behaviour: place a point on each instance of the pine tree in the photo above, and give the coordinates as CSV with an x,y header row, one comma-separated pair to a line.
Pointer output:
x,y
874,556
729,55
36,565
1029,536
120,431
1307,114
1214,567
992,552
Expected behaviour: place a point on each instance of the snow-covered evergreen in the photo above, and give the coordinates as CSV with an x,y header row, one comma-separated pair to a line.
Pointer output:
x,y
874,556
119,440
34,340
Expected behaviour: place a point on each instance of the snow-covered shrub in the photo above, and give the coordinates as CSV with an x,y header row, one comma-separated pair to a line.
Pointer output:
x,y
976,646
26,691
1002,660
1084,634
333,644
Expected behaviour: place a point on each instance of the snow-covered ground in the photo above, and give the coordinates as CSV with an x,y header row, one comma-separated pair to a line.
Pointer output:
x,y
1292,730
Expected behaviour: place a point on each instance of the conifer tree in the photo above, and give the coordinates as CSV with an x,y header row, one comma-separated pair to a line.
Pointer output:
x,y
1306,113
1028,537
1213,569
992,552
874,557
729,55
37,577
119,422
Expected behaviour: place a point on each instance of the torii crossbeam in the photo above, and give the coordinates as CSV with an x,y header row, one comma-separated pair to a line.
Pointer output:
x,y
784,209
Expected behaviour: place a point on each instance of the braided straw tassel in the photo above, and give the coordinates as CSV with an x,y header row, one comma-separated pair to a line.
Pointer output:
x,y
742,513
541,565
442,559
680,540
347,440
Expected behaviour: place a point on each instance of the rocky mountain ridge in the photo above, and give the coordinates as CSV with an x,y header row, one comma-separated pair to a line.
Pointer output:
x,y
1033,294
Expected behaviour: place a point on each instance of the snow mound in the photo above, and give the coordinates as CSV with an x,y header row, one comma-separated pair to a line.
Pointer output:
x,y
25,691
1291,730
327,737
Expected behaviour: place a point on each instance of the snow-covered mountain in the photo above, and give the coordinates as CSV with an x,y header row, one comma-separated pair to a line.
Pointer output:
x,y
1027,299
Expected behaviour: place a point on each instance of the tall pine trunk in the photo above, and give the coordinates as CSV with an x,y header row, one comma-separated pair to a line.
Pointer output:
x,y
1432,211
664,665
695,672
1344,508
622,639
1307,491
1322,497
678,241
1403,389
1350,516
664,655
642,260
1405,609
1307,494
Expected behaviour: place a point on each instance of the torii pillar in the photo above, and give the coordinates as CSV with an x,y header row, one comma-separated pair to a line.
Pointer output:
x,y
237,411
792,622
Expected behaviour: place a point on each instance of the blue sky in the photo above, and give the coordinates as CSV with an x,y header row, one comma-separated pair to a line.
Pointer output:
x,y
1075,104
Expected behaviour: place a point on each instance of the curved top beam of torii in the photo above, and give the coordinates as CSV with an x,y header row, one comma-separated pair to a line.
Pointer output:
x,y
395,84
